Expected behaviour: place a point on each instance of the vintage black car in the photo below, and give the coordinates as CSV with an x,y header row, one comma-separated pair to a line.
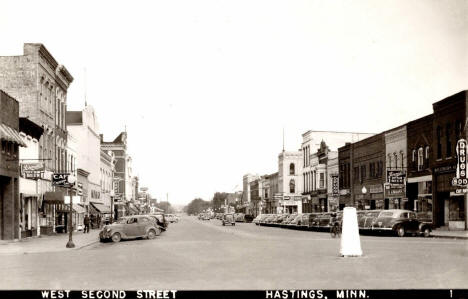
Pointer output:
x,y
228,219
401,222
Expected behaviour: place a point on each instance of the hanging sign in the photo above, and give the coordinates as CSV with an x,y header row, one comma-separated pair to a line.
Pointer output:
x,y
461,176
32,171
335,185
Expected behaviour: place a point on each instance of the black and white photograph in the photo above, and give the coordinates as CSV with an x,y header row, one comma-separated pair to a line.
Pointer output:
x,y
214,148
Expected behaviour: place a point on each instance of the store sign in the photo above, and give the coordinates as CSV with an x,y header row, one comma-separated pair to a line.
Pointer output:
x,y
335,185
395,192
460,191
376,189
460,178
32,171
396,177
61,180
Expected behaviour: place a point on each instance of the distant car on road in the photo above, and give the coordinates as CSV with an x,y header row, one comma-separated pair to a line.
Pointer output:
x,y
172,218
130,227
228,219
239,217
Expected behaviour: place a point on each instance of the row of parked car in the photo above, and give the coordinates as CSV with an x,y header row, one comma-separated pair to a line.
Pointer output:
x,y
137,226
396,221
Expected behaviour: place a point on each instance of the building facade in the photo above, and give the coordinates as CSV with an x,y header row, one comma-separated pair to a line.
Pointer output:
x,y
83,125
290,182
448,127
9,167
40,84
419,181
368,158
396,165
31,172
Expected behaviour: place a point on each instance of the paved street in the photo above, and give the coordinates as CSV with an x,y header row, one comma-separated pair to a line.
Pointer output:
x,y
205,255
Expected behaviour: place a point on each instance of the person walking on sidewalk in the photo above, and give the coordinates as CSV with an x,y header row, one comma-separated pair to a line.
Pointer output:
x,y
86,224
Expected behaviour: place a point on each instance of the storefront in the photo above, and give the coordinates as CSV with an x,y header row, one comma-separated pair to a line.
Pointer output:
x,y
345,198
47,212
29,215
395,197
419,193
449,205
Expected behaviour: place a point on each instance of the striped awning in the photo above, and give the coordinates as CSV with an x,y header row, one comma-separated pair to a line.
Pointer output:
x,y
9,134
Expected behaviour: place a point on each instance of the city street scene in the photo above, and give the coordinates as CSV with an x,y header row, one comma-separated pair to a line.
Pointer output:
x,y
229,146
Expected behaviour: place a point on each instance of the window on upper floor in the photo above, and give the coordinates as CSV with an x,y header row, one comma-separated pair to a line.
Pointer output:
x,y
420,159
395,158
363,173
389,160
322,180
439,142
292,186
426,157
292,170
448,152
356,174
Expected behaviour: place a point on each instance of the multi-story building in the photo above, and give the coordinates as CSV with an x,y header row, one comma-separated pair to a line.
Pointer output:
x,y
396,165
271,193
40,85
333,195
245,205
448,128
255,196
107,174
32,171
83,125
122,175
419,181
290,182
9,167
345,174
368,158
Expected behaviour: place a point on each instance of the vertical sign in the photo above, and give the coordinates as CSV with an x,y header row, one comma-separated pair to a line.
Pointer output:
x,y
461,177
335,185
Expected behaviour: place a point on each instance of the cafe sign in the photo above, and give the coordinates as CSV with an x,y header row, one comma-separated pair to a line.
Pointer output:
x,y
61,180
460,178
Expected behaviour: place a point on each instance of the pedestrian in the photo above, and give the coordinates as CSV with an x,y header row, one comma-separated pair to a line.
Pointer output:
x,y
86,224
98,220
92,220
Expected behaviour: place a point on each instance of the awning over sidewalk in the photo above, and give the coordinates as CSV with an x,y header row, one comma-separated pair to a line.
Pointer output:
x,y
101,208
65,208
54,197
9,134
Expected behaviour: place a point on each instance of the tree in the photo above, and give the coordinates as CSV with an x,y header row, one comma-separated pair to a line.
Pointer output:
x,y
219,200
197,206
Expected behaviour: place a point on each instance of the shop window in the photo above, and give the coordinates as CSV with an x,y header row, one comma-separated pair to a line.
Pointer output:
x,y
4,146
292,186
292,169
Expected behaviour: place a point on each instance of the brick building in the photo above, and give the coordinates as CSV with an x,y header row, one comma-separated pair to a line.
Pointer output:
x,y
9,167
419,174
448,126
345,175
40,85
368,158
396,165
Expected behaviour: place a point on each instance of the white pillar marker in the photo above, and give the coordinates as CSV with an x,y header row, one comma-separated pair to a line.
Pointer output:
x,y
350,240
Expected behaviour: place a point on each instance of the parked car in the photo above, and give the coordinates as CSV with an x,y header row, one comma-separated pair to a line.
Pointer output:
x,y
228,219
401,222
259,218
296,221
248,218
161,220
289,219
239,217
304,221
366,219
172,218
130,227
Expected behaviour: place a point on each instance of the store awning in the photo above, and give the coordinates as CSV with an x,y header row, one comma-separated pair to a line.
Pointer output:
x,y
101,208
55,197
9,134
65,208
79,209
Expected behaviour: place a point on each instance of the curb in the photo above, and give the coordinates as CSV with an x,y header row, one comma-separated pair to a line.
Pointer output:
x,y
449,237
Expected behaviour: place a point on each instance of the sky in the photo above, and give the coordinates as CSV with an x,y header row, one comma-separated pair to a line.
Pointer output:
x,y
205,88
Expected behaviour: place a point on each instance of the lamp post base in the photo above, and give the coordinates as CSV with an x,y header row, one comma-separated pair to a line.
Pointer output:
x,y
70,244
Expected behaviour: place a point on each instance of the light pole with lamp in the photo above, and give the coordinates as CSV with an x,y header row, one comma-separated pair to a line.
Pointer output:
x,y
71,183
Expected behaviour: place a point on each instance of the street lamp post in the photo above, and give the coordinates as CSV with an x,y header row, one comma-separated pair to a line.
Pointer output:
x,y
71,180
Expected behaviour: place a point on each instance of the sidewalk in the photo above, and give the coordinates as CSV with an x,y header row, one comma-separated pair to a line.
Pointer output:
x,y
450,234
52,243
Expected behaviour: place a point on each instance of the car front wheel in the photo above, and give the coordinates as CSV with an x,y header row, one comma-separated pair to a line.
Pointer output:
x,y
426,232
116,237
401,231
151,234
